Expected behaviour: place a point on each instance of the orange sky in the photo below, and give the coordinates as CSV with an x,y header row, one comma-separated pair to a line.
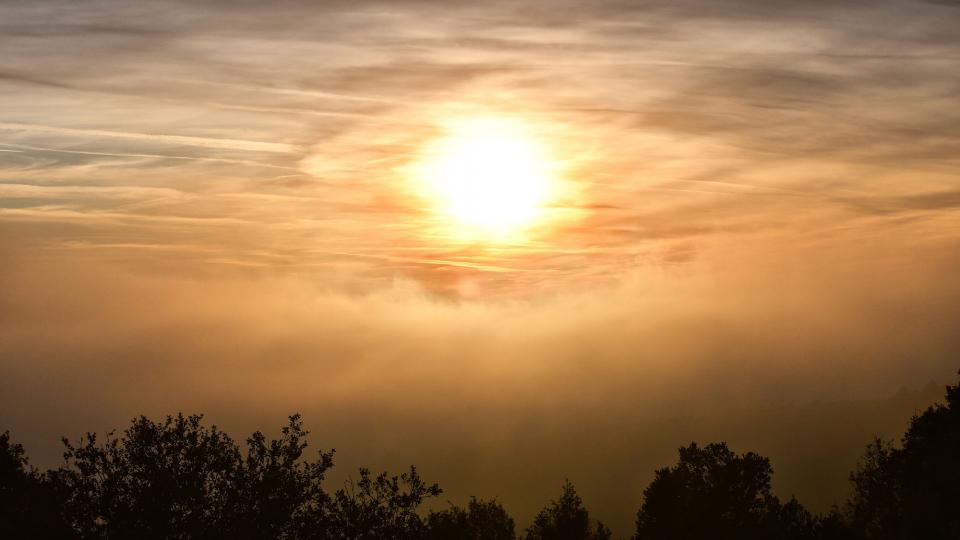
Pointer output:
x,y
210,206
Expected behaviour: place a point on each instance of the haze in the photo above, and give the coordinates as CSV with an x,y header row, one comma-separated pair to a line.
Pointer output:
x,y
208,207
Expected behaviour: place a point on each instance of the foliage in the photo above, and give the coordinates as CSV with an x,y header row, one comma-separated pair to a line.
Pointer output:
x,y
566,519
728,494
480,520
29,507
178,479
912,492
14,477
381,507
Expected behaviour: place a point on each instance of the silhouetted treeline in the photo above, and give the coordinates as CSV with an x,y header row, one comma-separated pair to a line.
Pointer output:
x,y
178,479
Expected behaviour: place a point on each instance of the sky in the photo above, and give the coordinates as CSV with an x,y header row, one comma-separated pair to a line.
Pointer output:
x,y
754,237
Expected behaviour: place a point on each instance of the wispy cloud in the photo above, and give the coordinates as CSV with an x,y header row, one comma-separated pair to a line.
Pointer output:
x,y
204,142
245,162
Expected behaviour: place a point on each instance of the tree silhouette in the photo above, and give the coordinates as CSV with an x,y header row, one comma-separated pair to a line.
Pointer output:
x,y
381,507
912,492
178,479
480,520
28,504
714,493
873,508
277,494
15,483
566,519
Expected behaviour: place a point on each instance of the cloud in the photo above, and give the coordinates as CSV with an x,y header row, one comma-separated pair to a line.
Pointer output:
x,y
205,142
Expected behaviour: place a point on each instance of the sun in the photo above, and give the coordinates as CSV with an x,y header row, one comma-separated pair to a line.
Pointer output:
x,y
490,176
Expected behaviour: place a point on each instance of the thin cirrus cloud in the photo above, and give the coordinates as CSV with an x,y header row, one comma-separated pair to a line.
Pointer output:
x,y
679,121
204,142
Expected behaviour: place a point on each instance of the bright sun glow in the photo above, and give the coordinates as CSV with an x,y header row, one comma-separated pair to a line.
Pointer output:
x,y
490,175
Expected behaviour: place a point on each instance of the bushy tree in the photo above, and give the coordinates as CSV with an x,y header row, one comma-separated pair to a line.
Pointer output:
x,y
179,479
381,507
873,508
28,504
480,520
912,492
278,494
566,519
15,481
714,493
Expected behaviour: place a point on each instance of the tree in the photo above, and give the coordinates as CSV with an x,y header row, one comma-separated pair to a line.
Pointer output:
x,y
178,479
912,492
28,505
566,519
278,494
381,507
714,493
481,520
873,508
15,480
